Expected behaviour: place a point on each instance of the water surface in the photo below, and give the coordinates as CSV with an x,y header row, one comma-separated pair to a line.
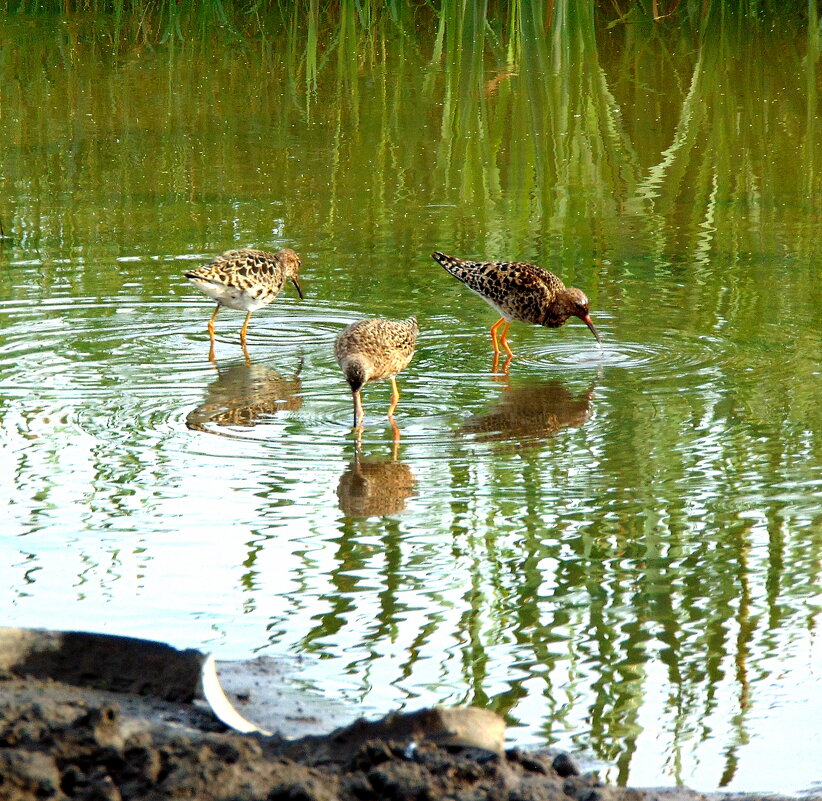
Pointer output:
x,y
619,550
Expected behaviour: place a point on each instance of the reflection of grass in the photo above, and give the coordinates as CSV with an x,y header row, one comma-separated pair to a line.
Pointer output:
x,y
165,20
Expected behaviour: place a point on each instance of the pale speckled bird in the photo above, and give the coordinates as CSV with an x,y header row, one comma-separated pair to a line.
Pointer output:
x,y
246,280
371,350
521,292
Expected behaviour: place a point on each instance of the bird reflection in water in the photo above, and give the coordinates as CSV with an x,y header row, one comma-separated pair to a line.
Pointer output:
x,y
244,394
531,411
373,488
505,367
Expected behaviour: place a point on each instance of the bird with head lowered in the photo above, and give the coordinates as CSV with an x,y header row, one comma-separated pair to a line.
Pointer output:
x,y
519,291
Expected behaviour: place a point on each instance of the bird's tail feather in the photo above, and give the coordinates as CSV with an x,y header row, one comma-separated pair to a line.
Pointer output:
x,y
457,267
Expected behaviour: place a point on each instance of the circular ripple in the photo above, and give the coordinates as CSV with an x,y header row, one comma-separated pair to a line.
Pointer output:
x,y
674,353
134,371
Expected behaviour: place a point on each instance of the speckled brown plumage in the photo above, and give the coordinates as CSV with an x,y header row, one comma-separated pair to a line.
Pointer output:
x,y
370,350
521,292
245,280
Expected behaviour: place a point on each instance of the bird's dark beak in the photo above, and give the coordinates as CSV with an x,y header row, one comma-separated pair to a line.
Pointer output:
x,y
358,412
587,320
297,287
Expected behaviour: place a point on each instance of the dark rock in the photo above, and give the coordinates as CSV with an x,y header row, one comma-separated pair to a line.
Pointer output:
x,y
141,763
372,753
309,789
83,747
101,789
359,788
565,765
463,727
534,765
577,786
400,781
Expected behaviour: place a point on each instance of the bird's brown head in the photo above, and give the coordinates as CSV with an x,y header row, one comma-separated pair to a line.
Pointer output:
x,y
573,302
291,263
355,373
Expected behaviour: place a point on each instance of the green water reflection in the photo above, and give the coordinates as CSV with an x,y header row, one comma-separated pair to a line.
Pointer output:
x,y
619,551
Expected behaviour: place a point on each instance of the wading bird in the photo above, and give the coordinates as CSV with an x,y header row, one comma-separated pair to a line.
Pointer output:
x,y
370,350
245,280
521,292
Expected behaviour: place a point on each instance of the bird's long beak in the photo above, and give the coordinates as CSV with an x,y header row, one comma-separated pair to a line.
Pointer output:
x,y
297,287
587,320
358,411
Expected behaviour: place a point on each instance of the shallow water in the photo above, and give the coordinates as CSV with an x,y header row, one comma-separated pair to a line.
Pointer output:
x,y
618,549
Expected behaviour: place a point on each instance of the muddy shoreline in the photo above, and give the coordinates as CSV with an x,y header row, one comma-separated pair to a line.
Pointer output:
x,y
60,742
128,719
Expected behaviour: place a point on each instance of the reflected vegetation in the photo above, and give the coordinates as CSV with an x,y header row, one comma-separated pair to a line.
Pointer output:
x,y
655,602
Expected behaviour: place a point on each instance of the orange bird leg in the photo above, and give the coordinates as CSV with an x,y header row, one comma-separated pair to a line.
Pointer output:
x,y
211,333
500,375
244,329
211,324
494,328
395,397
504,340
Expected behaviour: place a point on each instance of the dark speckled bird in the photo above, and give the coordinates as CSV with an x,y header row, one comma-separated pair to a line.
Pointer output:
x,y
370,350
521,292
246,280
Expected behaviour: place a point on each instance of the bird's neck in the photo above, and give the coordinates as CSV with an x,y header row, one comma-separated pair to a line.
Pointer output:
x,y
559,311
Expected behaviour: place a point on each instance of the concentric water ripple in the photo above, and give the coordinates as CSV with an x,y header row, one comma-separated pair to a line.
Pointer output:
x,y
673,354
136,368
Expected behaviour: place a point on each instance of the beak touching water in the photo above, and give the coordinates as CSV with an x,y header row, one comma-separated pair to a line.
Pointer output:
x,y
587,320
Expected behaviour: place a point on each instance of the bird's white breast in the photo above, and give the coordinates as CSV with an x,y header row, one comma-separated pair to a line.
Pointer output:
x,y
231,296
